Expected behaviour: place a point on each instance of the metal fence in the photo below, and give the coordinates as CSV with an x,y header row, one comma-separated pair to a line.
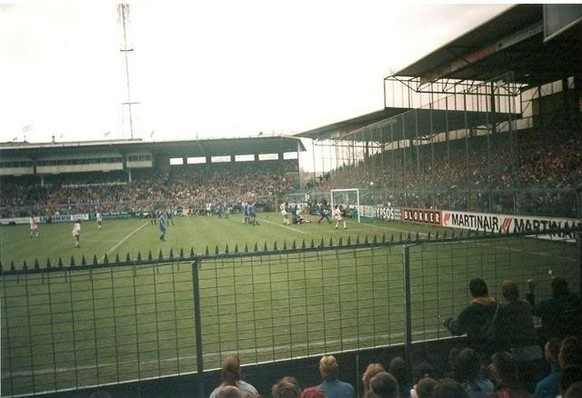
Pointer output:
x,y
70,327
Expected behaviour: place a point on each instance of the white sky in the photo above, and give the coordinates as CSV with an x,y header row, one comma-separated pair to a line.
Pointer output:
x,y
209,69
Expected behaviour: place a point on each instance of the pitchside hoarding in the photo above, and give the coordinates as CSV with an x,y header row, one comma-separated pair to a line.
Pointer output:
x,y
421,216
387,213
493,223
44,219
504,223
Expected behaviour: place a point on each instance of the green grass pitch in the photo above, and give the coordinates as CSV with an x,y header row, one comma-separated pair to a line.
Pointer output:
x,y
133,236
85,327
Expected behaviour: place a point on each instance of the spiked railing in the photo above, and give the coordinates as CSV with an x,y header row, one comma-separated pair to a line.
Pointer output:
x,y
303,246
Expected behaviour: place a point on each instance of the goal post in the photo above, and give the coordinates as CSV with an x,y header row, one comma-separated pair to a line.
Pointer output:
x,y
349,197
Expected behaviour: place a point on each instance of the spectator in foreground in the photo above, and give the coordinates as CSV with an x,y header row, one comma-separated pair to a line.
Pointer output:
x,y
549,386
401,372
506,376
575,390
561,314
384,385
570,352
570,376
468,373
313,392
371,370
570,359
286,387
483,320
520,331
520,328
449,388
424,388
333,388
229,392
231,376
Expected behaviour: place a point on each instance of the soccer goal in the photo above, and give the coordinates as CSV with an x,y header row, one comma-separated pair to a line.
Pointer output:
x,y
349,198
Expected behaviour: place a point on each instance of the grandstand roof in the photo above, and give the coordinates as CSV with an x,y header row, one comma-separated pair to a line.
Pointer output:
x,y
511,42
192,148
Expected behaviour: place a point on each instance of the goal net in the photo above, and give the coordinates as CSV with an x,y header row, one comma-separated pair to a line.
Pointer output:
x,y
349,200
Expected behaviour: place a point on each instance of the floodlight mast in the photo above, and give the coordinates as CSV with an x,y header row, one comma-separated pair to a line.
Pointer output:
x,y
123,14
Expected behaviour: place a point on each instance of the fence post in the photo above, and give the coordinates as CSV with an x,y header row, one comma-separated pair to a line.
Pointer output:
x,y
406,293
579,256
198,327
578,234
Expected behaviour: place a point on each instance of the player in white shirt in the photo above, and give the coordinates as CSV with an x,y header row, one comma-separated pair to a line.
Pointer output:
x,y
99,218
283,207
77,233
33,226
337,216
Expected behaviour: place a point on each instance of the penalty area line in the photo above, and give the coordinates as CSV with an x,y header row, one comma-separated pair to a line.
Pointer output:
x,y
284,226
124,239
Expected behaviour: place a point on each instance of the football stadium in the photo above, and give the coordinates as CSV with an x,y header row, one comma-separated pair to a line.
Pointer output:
x,y
133,268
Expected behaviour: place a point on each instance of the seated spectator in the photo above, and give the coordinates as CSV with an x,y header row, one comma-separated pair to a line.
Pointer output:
x,y
468,373
384,385
449,373
229,392
549,386
424,388
371,370
561,314
575,390
570,352
231,377
449,388
313,392
483,320
570,359
570,376
399,369
287,387
520,328
333,387
506,376
422,369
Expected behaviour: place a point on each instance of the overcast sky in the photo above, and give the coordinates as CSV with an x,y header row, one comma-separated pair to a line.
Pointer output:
x,y
208,69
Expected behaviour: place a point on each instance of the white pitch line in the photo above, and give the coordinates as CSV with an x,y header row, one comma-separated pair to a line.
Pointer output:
x,y
283,225
124,239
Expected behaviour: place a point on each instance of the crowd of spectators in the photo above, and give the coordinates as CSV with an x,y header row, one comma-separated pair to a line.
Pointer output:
x,y
186,186
537,171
